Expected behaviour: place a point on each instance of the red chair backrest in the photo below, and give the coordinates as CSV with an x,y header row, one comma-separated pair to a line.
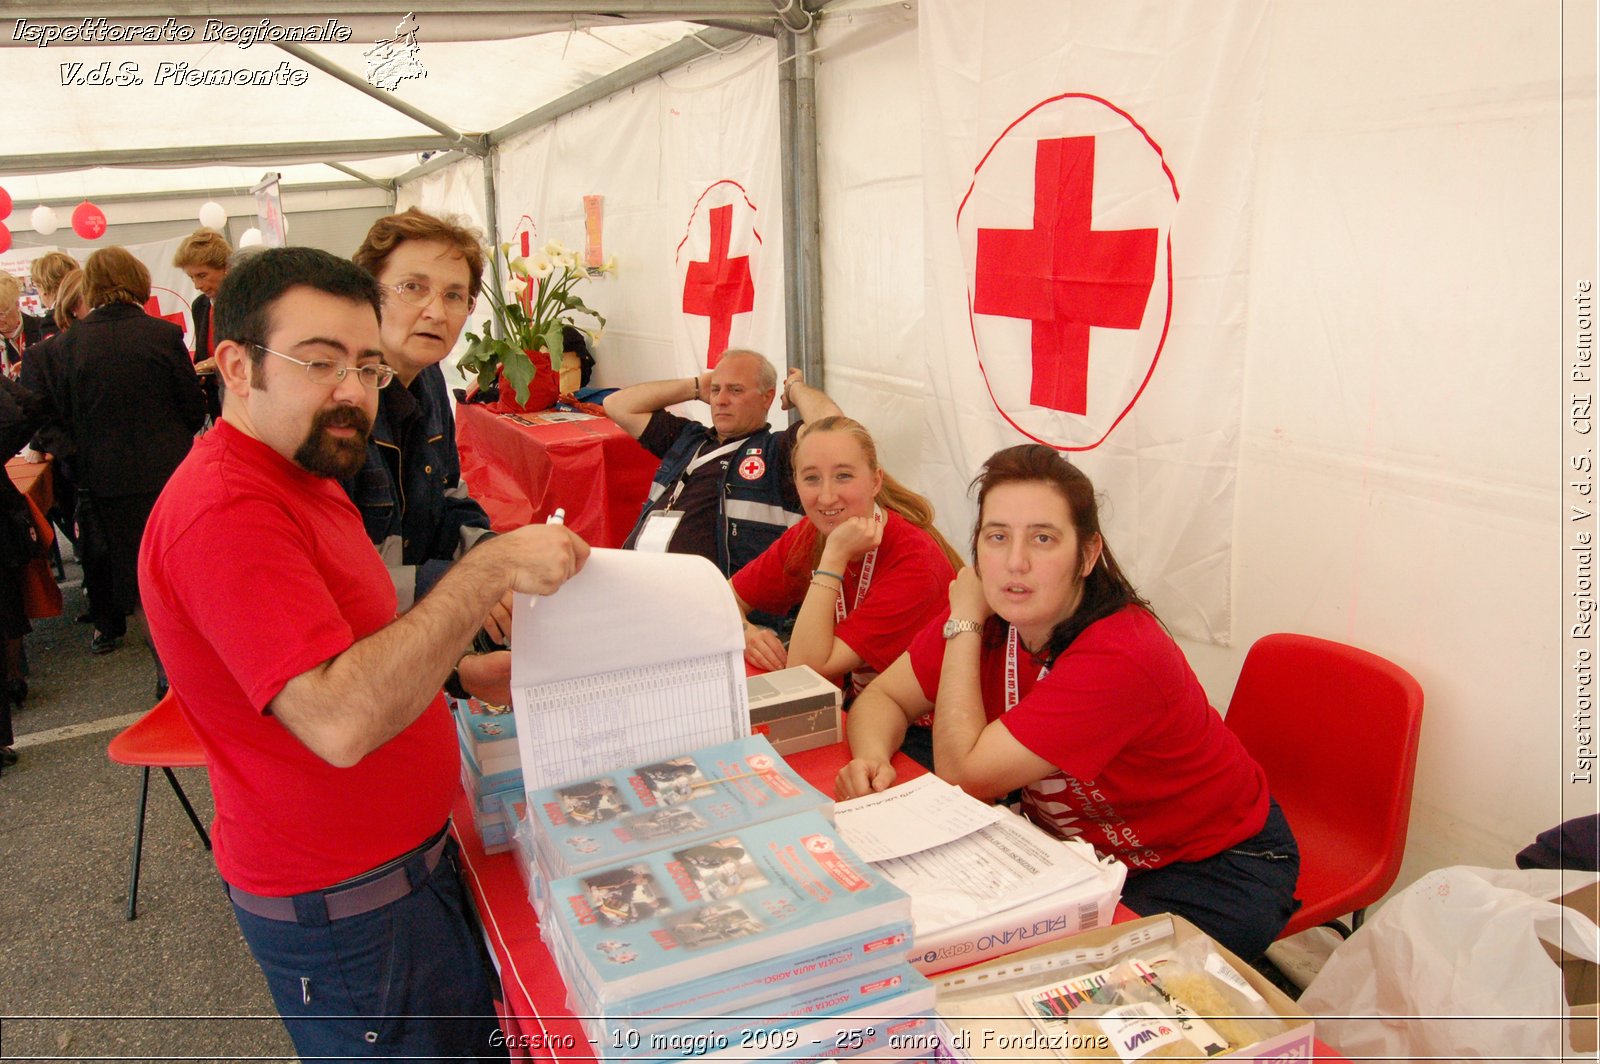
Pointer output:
x,y
1337,730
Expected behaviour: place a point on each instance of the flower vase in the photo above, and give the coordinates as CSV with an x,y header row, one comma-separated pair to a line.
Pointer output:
x,y
543,390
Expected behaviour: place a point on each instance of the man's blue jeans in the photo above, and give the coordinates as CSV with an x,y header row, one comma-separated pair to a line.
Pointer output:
x,y
409,980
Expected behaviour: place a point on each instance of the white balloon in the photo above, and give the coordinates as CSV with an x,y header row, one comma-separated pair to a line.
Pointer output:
x,y
250,237
45,221
212,216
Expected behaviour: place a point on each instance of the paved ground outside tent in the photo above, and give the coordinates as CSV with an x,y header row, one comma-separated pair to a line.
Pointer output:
x,y
77,980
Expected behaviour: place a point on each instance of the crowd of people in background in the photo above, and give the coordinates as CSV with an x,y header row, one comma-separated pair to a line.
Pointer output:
x,y
328,456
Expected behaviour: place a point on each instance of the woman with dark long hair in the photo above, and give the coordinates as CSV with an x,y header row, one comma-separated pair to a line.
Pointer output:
x,y
866,567
1052,675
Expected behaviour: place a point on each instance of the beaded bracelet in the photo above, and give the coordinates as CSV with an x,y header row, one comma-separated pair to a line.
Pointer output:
x,y
823,572
826,587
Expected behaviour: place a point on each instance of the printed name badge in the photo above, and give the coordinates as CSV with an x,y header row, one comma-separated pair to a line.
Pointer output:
x,y
657,532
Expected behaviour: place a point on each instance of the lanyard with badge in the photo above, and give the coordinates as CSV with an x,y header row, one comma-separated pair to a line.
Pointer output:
x,y
859,678
1011,670
659,527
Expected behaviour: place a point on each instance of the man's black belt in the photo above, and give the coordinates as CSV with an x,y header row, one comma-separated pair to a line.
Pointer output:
x,y
366,892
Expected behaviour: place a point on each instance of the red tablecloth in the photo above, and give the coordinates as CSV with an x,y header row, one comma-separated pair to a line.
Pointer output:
x,y
520,473
537,1022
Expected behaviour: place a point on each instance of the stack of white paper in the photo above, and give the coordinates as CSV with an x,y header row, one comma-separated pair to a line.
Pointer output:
x,y
637,657
983,882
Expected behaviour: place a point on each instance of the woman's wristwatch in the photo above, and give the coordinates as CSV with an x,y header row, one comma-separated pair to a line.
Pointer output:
x,y
953,627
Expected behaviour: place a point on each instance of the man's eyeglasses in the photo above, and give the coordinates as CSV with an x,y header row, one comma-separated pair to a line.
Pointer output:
x,y
374,375
420,294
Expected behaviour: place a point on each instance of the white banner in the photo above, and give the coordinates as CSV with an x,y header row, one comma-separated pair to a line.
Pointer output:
x,y
688,168
722,187
171,291
1088,171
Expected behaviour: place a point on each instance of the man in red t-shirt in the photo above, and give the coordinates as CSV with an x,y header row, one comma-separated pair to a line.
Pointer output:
x,y
332,757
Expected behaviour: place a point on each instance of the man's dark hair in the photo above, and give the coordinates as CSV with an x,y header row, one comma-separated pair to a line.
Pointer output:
x,y
243,310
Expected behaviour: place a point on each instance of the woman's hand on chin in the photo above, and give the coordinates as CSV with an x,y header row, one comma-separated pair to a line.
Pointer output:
x,y
852,539
967,601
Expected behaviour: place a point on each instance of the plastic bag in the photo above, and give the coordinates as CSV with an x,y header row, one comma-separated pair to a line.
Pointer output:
x,y
1452,968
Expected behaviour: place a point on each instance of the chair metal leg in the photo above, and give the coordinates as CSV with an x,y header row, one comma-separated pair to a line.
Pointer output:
x,y
1356,918
177,789
138,843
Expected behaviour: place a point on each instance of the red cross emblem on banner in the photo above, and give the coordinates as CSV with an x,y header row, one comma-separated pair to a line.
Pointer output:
x,y
720,288
1076,282
1063,274
152,307
722,285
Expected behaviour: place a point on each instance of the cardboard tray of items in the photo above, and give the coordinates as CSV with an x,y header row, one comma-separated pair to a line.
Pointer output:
x,y
984,1020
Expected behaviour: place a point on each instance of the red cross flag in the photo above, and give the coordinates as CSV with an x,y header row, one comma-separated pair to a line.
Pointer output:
x,y
1087,235
720,243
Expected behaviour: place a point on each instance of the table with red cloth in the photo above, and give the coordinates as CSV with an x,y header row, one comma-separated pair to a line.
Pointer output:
x,y
522,470
537,1022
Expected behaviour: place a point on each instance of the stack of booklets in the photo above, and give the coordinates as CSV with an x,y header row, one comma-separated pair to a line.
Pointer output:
x,y
770,940
667,803
491,767
703,906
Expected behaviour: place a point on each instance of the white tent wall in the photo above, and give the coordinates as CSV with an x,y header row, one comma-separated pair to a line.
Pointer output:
x,y
869,122
1397,482
1398,475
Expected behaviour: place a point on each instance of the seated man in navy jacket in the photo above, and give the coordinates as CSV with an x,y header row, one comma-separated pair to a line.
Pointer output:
x,y
725,492
417,510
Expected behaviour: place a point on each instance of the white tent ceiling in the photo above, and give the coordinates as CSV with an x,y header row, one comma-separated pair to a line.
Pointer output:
x,y
487,66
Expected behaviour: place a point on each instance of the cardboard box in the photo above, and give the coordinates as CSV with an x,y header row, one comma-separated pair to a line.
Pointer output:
x,y
796,709
1581,978
986,990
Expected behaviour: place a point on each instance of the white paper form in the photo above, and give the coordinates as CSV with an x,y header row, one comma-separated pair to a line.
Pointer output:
x,y
919,815
1002,866
637,657
957,857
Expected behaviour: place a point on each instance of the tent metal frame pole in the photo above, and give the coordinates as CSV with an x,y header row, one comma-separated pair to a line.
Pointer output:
x,y
199,193
640,70
440,161
797,118
491,210
635,73
236,154
387,186
388,99
657,10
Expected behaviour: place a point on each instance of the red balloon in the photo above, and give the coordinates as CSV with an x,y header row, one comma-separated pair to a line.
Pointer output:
x,y
5,203
5,239
88,221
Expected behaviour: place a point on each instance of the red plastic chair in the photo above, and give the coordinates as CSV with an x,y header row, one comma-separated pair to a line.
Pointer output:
x,y
159,739
1336,730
